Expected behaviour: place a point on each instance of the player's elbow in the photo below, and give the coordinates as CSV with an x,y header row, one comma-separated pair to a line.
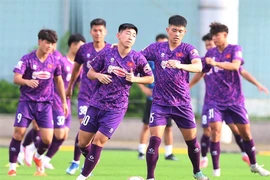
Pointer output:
x,y
16,80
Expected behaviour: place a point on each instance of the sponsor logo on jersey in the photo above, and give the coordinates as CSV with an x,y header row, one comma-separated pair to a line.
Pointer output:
x,y
41,75
117,71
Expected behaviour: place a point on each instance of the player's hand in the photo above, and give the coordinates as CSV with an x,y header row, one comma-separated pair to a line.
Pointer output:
x,y
104,78
32,83
65,109
211,61
263,89
69,93
174,64
130,76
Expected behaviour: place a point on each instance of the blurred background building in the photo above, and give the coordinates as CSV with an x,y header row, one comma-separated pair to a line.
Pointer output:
x,y
22,19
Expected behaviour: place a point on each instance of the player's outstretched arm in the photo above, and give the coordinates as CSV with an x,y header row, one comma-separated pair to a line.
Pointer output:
x,y
196,78
195,66
18,80
231,66
61,91
74,76
103,78
254,81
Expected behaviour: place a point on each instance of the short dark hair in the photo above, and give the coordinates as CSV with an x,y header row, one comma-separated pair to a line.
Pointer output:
x,y
125,26
178,20
216,27
48,34
207,37
161,36
98,21
75,38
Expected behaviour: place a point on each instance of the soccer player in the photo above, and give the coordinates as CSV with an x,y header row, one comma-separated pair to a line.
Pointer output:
x,y
28,148
62,123
205,139
115,69
168,135
224,96
84,56
171,98
35,73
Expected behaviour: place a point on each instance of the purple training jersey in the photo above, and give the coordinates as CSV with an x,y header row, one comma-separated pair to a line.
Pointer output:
x,y
32,68
171,85
66,68
84,56
114,96
223,87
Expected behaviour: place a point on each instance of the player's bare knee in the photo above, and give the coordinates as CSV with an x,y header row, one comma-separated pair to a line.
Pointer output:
x,y
19,133
18,136
81,143
215,134
46,140
100,140
246,135
66,136
60,134
207,132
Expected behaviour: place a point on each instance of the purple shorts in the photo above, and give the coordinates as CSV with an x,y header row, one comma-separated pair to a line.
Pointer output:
x,y
59,119
27,111
182,115
82,108
105,122
230,114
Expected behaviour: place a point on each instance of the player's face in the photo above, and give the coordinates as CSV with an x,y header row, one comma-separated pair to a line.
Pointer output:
x,y
162,40
98,33
45,46
209,44
219,38
176,33
75,47
127,37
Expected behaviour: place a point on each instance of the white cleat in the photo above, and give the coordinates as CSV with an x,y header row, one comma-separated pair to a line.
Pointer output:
x,y
48,165
46,162
216,172
81,177
29,152
259,169
204,163
20,158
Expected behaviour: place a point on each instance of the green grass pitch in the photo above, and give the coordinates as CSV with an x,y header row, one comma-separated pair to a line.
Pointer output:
x,y
119,165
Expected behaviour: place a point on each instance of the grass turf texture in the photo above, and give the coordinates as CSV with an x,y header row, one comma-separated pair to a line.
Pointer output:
x,y
119,165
